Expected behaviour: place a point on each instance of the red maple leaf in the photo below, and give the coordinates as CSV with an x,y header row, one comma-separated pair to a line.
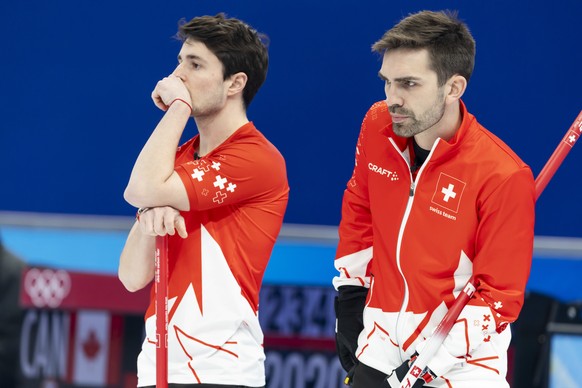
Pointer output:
x,y
91,345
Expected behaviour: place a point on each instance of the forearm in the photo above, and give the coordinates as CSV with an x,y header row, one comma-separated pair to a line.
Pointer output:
x,y
504,246
355,248
155,164
136,264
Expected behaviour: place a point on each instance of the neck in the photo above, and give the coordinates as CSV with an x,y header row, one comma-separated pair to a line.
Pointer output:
x,y
445,128
214,129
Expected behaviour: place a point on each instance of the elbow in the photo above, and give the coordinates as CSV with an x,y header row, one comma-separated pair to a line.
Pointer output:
x,y
131,284
134,195
140,194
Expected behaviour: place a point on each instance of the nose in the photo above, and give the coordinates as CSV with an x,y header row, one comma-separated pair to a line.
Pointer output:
x,y
178,71
392,96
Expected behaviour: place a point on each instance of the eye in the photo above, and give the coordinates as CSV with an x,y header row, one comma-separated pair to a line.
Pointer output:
x,y
196,66
409,84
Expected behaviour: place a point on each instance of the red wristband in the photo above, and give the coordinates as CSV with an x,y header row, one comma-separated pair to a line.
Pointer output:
x,y
184,101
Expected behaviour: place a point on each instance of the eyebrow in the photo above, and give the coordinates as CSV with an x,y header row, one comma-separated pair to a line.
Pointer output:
x,y
399,79
190,57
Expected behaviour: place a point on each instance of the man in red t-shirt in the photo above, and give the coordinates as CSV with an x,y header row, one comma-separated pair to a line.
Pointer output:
x,y
224,192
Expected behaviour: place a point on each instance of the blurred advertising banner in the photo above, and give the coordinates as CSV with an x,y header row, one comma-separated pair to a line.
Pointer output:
x,y
79,330
85,330
299,327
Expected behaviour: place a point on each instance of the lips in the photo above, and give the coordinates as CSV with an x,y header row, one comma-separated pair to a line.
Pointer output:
x,y
398,118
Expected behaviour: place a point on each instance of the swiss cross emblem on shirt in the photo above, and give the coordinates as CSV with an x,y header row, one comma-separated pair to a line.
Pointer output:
x,y
448,192
210,182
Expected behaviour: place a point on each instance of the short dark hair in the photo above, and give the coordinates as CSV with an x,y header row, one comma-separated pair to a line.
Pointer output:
x,y
449,42
239,47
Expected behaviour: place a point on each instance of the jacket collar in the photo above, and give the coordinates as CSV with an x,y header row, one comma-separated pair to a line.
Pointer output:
x,y
403,142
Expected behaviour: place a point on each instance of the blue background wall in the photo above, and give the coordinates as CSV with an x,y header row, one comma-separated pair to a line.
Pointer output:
x,y
75,80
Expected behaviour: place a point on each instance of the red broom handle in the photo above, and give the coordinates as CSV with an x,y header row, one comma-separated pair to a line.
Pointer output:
x,y
161,304
559,154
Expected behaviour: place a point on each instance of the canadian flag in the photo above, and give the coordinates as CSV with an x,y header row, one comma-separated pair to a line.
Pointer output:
x,y
94,340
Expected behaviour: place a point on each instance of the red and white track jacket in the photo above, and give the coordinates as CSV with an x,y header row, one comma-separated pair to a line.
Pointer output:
x,y
416,242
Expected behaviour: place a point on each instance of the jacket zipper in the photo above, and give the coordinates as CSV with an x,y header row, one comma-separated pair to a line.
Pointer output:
x,y
413,185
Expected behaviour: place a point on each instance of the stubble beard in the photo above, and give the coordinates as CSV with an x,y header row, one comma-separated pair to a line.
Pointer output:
x,y
208,107
417,125
204,112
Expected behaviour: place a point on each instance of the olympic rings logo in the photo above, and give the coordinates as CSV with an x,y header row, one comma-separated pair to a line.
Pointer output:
x,y
47,288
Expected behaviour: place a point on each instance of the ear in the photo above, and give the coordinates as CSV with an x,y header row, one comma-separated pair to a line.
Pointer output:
x,y
238,82
455,87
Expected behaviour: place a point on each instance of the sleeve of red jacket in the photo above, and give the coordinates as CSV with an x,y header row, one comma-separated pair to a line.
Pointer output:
x,y
501,267
354,252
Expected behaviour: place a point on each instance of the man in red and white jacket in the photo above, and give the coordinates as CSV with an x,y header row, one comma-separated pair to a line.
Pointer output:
x,y
434,199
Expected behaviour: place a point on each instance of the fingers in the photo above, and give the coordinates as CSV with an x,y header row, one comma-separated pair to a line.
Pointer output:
x,y
158,101
161,221
176,76
181,227
167,90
